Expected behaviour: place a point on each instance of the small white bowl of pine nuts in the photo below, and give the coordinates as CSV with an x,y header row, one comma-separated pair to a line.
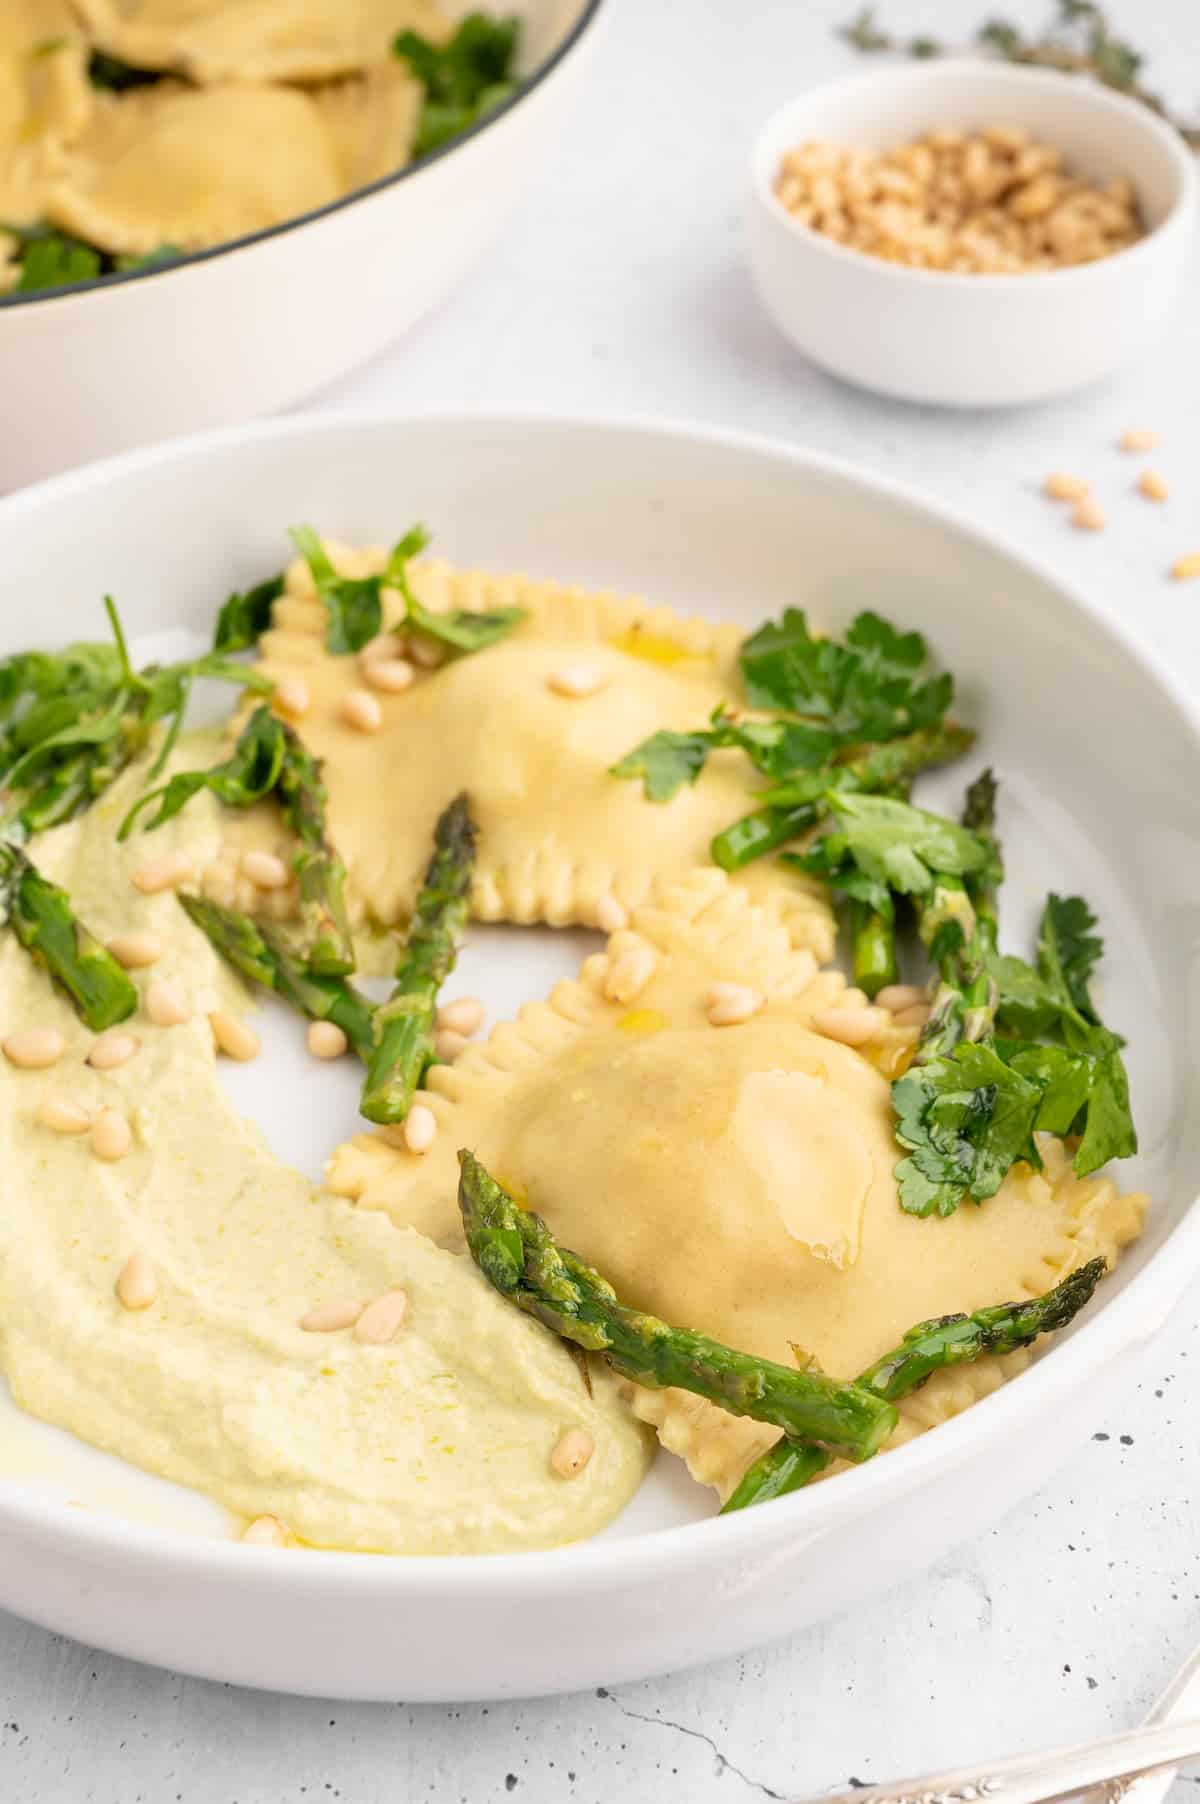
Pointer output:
x,y
969,233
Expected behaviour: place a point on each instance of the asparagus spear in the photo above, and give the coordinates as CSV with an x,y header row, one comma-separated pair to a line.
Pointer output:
x,y
519,1257
41,916
404,1024
946,1340
263,957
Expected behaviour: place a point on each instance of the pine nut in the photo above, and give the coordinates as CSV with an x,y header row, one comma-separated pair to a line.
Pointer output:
x,y
137,1286
1185,568
265,1531
462,1016
383,647
852,1026
233,1037
326,1040
420,1128
576,681
1088,516
331,1318
729,1004
63,1117
163,873
292,697
136,950
916,1016
264,870
391,676
1136,438
1060,485
164,1005
426,651
1152,486
630,972
112,1049
896,996
112,1136
611,915
572,1452
447,1045
34,1048
361,711
381,1320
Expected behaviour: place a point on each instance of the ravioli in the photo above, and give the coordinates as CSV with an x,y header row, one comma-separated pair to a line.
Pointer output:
x,y
45,99
372,120
170,165
558,834
255,40
737,1180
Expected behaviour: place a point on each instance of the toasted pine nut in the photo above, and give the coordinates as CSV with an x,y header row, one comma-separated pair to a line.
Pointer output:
x,y
852,1026
1088,516
264,870
163,873
447,1045
1060,485
330,1318
137,1285
1136,438
1152,486
382,646
326,1040
293,697
112,1049
426,651
391,676
34,1048
233,1037
360,710
629,972
462,1016
611,915
916,1016
576,680
63,1117
420,1128
265,1531
164,1005
572,1452
380,1321
729,1004
899,995
112,1136
136,950
1185,568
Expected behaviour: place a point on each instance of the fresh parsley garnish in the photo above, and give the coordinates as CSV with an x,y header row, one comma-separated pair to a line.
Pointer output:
x,y
470,75
244,618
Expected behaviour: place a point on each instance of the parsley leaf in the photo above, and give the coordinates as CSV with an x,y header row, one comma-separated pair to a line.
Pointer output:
x,y
899,847
965,1120
56,261
463,79
244,618
250,772
666,762
862,690
1069,949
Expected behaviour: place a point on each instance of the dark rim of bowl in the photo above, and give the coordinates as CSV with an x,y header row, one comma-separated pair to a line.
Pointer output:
x,y
119,278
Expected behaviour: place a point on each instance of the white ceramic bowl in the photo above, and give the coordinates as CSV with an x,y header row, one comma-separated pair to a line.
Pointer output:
x,y
737,528
255,325
973,340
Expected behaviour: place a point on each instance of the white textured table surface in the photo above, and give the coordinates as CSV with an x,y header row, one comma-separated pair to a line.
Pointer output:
x,y
621,289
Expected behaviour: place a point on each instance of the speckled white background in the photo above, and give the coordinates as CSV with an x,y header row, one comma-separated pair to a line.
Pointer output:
x,y
621,288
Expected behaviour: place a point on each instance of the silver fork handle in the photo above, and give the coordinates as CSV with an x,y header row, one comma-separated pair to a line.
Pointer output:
x,y
1042,1778
1178,1702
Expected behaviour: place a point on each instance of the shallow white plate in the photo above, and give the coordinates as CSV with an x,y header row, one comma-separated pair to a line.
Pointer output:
x,y
1098,757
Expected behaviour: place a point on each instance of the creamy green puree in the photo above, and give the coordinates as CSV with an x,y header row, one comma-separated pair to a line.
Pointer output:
x,y
438,1442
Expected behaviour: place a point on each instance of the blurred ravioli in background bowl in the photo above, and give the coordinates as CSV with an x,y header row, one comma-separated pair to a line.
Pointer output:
x,y
208,212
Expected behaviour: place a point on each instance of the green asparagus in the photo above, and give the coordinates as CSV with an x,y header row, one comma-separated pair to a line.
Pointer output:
x,y
946,1340
263,956
41,916
404,1025
519,1257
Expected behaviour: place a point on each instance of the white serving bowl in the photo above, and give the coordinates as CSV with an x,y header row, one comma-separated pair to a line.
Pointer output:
x,y
255,325
737,528
973,340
